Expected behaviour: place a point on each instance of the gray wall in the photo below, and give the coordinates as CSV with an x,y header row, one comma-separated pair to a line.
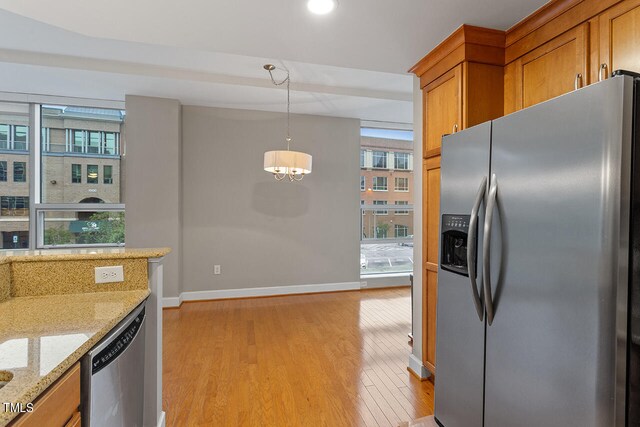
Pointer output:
x,y
152,170
262,232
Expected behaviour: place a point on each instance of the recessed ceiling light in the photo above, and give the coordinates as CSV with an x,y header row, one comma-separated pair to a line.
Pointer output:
x,y
321,7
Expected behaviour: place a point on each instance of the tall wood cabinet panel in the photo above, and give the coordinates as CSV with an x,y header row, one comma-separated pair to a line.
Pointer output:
x,y
431,219
553,69
619,33
443,108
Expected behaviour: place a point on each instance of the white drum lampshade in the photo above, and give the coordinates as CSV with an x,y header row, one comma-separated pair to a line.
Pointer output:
x,y
285,162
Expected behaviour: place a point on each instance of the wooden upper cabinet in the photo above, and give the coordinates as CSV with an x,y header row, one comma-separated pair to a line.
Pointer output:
x,y
553,69
443,108
619,32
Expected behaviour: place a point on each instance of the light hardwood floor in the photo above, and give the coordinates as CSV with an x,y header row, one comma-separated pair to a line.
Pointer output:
x,y
336,359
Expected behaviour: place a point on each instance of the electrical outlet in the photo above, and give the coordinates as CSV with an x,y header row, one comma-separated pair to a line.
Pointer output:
x,y
363,284
109,274
216,269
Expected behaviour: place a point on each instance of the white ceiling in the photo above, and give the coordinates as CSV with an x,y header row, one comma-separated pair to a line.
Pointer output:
x,y
351,63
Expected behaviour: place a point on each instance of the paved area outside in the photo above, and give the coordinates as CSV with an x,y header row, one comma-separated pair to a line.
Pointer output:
x,y
385,258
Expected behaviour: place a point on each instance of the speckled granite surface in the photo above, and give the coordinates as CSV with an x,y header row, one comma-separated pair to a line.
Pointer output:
x,y
5,282
74,276
80,254
43,336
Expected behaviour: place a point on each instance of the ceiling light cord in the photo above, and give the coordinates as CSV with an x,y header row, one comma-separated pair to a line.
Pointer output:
x,y
286,80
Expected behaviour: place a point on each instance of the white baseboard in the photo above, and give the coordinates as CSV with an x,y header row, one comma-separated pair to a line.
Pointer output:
x,y
258,292
161,419
172,301
416,366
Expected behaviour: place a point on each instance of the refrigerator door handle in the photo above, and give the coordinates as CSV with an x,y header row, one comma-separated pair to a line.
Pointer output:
x,y
486,248
472,245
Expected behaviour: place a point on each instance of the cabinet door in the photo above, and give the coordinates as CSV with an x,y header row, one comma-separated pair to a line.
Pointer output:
x,y
431,225
56,406
442,108
553,69
620,38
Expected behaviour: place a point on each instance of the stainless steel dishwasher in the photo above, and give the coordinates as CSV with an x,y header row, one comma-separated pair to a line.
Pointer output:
x,y
113,376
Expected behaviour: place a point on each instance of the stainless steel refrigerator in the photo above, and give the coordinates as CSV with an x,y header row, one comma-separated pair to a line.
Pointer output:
x,y
538,319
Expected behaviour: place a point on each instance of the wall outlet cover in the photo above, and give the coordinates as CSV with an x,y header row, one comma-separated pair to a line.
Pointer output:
x,y
216,269
109,274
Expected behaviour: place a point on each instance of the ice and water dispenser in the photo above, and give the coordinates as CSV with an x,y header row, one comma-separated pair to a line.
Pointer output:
x,y
455,231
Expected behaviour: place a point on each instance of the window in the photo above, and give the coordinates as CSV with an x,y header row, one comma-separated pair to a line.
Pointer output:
x,y
401,203
362,158
78,141
92,174
402,184
380,159
401,161
401,230
4,137
14,137
362,206
94,142
19,172
14,206
110,144
20,137
379,183
381,231
381,202
363,183
107,174
14,155
45,139
76,173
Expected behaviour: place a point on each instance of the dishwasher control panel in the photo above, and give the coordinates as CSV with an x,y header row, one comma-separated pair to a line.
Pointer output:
x,y
118,345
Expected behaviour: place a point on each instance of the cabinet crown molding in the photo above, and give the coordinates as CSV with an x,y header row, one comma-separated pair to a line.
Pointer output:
x,y
469,42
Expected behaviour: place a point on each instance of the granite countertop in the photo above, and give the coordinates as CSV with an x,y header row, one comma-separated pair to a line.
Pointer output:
x,y
80,254
42,337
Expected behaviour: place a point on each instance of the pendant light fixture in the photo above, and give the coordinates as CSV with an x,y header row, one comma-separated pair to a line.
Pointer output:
x,y
286,163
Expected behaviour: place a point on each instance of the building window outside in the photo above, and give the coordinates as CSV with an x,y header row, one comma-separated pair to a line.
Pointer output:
x,y
92,174
401,203
401,230
78,141
14,206
383,203
4,137
380,159
107,174
379,183
45,139
362,157
362,206
3,171
110,143
363,183
14,137
76,173
401,184
19,172
381,231
401,161
95,142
